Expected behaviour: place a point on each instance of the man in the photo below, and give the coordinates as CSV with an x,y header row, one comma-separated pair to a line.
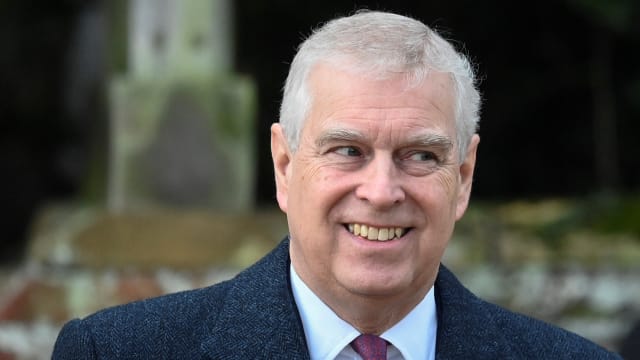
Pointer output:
x,y
374,158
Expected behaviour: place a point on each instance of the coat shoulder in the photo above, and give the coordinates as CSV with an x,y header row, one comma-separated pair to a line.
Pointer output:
x,y
192,324
149,327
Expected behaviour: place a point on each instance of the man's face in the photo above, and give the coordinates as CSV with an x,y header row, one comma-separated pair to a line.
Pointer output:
x,y
380,155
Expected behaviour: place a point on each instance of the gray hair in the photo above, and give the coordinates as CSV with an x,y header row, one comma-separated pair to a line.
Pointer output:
x,y
380,45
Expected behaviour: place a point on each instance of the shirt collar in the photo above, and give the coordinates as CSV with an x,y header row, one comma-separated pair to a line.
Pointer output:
x,y
415,334
327,335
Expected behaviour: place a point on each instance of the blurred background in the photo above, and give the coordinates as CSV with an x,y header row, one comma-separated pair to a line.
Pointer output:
x,y
134,144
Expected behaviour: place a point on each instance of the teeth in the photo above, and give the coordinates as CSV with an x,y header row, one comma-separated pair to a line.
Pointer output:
x,y
374,233
383,234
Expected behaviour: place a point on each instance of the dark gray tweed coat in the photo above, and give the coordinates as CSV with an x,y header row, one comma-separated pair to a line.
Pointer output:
x,y
253,316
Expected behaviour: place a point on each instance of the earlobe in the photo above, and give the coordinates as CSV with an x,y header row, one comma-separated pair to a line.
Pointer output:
x,y
466,176
281,164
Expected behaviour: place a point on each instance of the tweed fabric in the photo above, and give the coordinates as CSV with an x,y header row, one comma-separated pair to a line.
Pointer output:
x,y
370,347
254,316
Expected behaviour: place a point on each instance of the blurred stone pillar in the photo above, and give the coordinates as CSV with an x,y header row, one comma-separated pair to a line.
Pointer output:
x,y
182,124
180,169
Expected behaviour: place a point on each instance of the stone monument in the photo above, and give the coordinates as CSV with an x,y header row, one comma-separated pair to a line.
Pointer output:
x,y
180,170
182,123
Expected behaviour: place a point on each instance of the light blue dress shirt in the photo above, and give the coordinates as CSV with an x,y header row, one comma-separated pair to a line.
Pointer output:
x,y
328,336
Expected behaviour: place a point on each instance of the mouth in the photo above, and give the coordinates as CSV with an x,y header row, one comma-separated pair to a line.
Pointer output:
x,y
376,233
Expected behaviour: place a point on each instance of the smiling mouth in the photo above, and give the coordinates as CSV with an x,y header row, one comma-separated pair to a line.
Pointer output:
x,y
375,233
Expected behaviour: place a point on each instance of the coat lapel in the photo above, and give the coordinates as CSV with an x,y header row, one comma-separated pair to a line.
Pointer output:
x,y
259,318
465,330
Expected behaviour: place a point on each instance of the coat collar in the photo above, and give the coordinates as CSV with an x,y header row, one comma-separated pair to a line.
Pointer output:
x,y
259,318
465,329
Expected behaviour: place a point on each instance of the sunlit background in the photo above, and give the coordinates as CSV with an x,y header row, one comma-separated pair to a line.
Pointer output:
x,y
135,158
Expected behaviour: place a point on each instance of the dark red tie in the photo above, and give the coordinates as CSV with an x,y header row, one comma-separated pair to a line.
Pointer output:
x,y
370,347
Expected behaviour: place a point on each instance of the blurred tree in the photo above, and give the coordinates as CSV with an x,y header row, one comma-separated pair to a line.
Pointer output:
x,y
611,19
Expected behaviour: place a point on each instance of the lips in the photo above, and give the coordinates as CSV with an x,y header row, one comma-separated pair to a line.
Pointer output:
x,y
376,233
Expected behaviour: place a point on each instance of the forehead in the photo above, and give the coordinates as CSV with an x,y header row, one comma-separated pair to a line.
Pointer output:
x,y
347,99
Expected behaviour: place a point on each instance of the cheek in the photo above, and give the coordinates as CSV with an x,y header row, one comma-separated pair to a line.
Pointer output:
x,y
448,184
320,175
317,187
438,195
311,175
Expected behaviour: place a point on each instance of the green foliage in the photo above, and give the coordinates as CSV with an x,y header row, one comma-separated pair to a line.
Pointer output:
x,y
603,215
601,229
117,39
623,215
612,14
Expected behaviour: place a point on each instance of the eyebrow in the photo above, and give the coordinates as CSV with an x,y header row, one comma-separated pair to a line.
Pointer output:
x,y
338,135
432,140
442,142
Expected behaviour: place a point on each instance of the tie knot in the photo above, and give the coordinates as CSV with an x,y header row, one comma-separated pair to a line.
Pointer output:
x,y
370,347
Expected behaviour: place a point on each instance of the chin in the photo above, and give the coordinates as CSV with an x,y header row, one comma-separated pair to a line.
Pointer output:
x,y
378,285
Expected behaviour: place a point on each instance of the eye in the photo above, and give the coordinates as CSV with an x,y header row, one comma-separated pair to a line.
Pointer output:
x,y
423,156
420,162
349,151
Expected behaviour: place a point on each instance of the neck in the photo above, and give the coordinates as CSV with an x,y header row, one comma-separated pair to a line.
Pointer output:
x,y
374,314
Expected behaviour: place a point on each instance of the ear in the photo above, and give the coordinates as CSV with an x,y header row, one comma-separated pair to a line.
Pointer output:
x,y
466,176
281,164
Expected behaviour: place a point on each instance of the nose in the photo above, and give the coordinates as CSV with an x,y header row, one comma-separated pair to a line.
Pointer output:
x,y
381,185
